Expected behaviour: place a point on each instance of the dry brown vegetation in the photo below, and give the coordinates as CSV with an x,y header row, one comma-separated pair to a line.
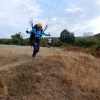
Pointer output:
x,y
55,74
91,51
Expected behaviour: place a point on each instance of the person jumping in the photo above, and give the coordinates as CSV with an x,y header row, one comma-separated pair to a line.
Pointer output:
x,y
35,37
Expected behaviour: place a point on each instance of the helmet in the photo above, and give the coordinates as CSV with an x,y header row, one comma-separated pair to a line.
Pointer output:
x,y
39,25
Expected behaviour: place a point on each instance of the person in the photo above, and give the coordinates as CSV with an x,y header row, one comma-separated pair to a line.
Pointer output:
x,y
38,31
49,42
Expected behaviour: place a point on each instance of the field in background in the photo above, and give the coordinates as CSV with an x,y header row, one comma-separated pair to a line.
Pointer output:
x,y
55,74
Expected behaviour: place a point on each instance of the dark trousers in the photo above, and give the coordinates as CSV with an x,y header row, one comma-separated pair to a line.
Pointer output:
x,y
36,45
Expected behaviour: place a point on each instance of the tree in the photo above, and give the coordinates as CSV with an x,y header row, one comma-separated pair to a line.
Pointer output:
x,y
16,41
67,37
17,38
56,42
97,36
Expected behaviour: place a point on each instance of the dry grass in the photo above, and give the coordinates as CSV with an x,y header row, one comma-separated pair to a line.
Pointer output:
x,y
84,71
10,54
55,74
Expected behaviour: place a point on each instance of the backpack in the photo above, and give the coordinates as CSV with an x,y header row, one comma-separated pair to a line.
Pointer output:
x,y
32,36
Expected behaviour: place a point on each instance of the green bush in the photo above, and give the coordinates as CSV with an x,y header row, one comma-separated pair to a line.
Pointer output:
x,y
92,53
56,43
98,48
85,43
43,42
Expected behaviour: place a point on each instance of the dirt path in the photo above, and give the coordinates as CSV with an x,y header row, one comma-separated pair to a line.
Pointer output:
x,y
11,56
8,66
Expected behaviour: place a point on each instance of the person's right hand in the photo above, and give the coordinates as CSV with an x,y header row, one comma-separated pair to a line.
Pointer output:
x,y
26,31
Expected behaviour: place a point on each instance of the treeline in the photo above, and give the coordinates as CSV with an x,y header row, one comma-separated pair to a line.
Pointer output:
x,y
89,42
16,39
66,38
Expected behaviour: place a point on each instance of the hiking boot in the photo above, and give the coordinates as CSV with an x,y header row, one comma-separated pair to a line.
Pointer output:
x,y
33,58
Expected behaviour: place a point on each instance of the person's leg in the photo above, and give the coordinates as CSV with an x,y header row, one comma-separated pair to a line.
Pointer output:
x,y
35,48
38,45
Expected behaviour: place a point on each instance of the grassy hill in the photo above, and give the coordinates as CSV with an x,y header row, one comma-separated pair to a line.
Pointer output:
x,y
55,74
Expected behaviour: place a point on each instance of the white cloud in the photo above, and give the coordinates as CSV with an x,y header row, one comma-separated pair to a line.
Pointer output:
x,y
83,14
95,24
98,1
32,8
86,26
2,14
13,15
77,28
74,10
13,25
78,16
54,19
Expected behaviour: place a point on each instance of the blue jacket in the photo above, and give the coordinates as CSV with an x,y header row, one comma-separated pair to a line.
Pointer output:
x,y
37,33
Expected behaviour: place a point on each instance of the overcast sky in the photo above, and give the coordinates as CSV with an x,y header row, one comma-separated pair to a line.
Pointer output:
x,y
77,16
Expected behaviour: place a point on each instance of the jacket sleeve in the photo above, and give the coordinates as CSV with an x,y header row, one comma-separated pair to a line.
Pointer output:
x,y
32,31
44,34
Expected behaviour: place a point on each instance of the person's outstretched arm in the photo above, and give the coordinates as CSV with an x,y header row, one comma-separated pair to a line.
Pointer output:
x,y
32,31
45,34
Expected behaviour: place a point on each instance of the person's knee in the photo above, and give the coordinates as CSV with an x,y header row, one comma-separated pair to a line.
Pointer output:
x,y
37,51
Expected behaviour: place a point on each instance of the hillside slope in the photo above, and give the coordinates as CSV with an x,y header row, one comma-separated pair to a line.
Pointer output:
x,y
55,74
